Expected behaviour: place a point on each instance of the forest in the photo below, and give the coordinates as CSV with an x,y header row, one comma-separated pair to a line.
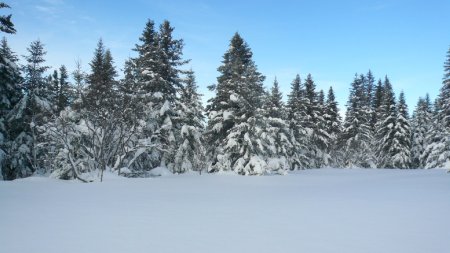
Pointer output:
x,y
66,123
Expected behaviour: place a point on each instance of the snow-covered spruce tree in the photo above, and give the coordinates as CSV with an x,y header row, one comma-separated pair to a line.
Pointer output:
x,y
319,139
170,55
356,137
277,135
434,137
148,91
158,83
235,115
296,111
30,113
438,150
190,154
333,126
101,111
385,128
401,148
420,125
10,94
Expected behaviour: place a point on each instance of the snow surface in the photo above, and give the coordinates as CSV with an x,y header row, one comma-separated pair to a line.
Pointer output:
x,y
326,210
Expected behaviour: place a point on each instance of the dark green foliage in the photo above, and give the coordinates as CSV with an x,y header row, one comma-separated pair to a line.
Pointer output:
x,y
235,112
333,126
376,104
297,116
278,136
10,95
275,105
357,136
34,70
101,82
421,126
6,24
29,114
64,90
385,128
190,154
319,139
401,150
438,149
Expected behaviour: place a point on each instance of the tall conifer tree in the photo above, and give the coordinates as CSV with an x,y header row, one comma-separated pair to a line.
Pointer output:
x,y
235,115
420,125
296,111
333,126
356,137
385,128
10,127
402,137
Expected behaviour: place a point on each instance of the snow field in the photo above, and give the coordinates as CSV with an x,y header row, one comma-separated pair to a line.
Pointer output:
x,y
326,210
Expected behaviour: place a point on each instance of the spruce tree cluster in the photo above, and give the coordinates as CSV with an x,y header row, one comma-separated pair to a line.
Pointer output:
x,y
78,125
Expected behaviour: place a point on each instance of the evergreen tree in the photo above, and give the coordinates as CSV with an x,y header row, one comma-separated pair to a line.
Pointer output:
x,y
30,113
170,62
10,95
401,148
357,136
311,105
159,81
101,109
296,108
438,150
277,134
333,126
275,105
321,126
190,154
35,82
385,128
421,125
235,118
434,137
444,95
144,84
101,82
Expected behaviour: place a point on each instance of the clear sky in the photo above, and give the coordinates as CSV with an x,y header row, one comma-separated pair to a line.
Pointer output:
x,y
332,40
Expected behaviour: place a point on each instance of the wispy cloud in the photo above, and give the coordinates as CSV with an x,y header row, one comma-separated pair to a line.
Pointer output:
x,y
51,9
46,9
54,2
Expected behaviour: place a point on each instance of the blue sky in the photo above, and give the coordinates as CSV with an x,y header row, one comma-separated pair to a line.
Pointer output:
x,y
332,40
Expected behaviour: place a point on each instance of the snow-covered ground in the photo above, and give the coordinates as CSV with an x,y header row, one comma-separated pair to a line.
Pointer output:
x,y
327,210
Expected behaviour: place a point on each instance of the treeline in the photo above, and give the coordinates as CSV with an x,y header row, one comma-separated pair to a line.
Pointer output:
x,y
153,117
